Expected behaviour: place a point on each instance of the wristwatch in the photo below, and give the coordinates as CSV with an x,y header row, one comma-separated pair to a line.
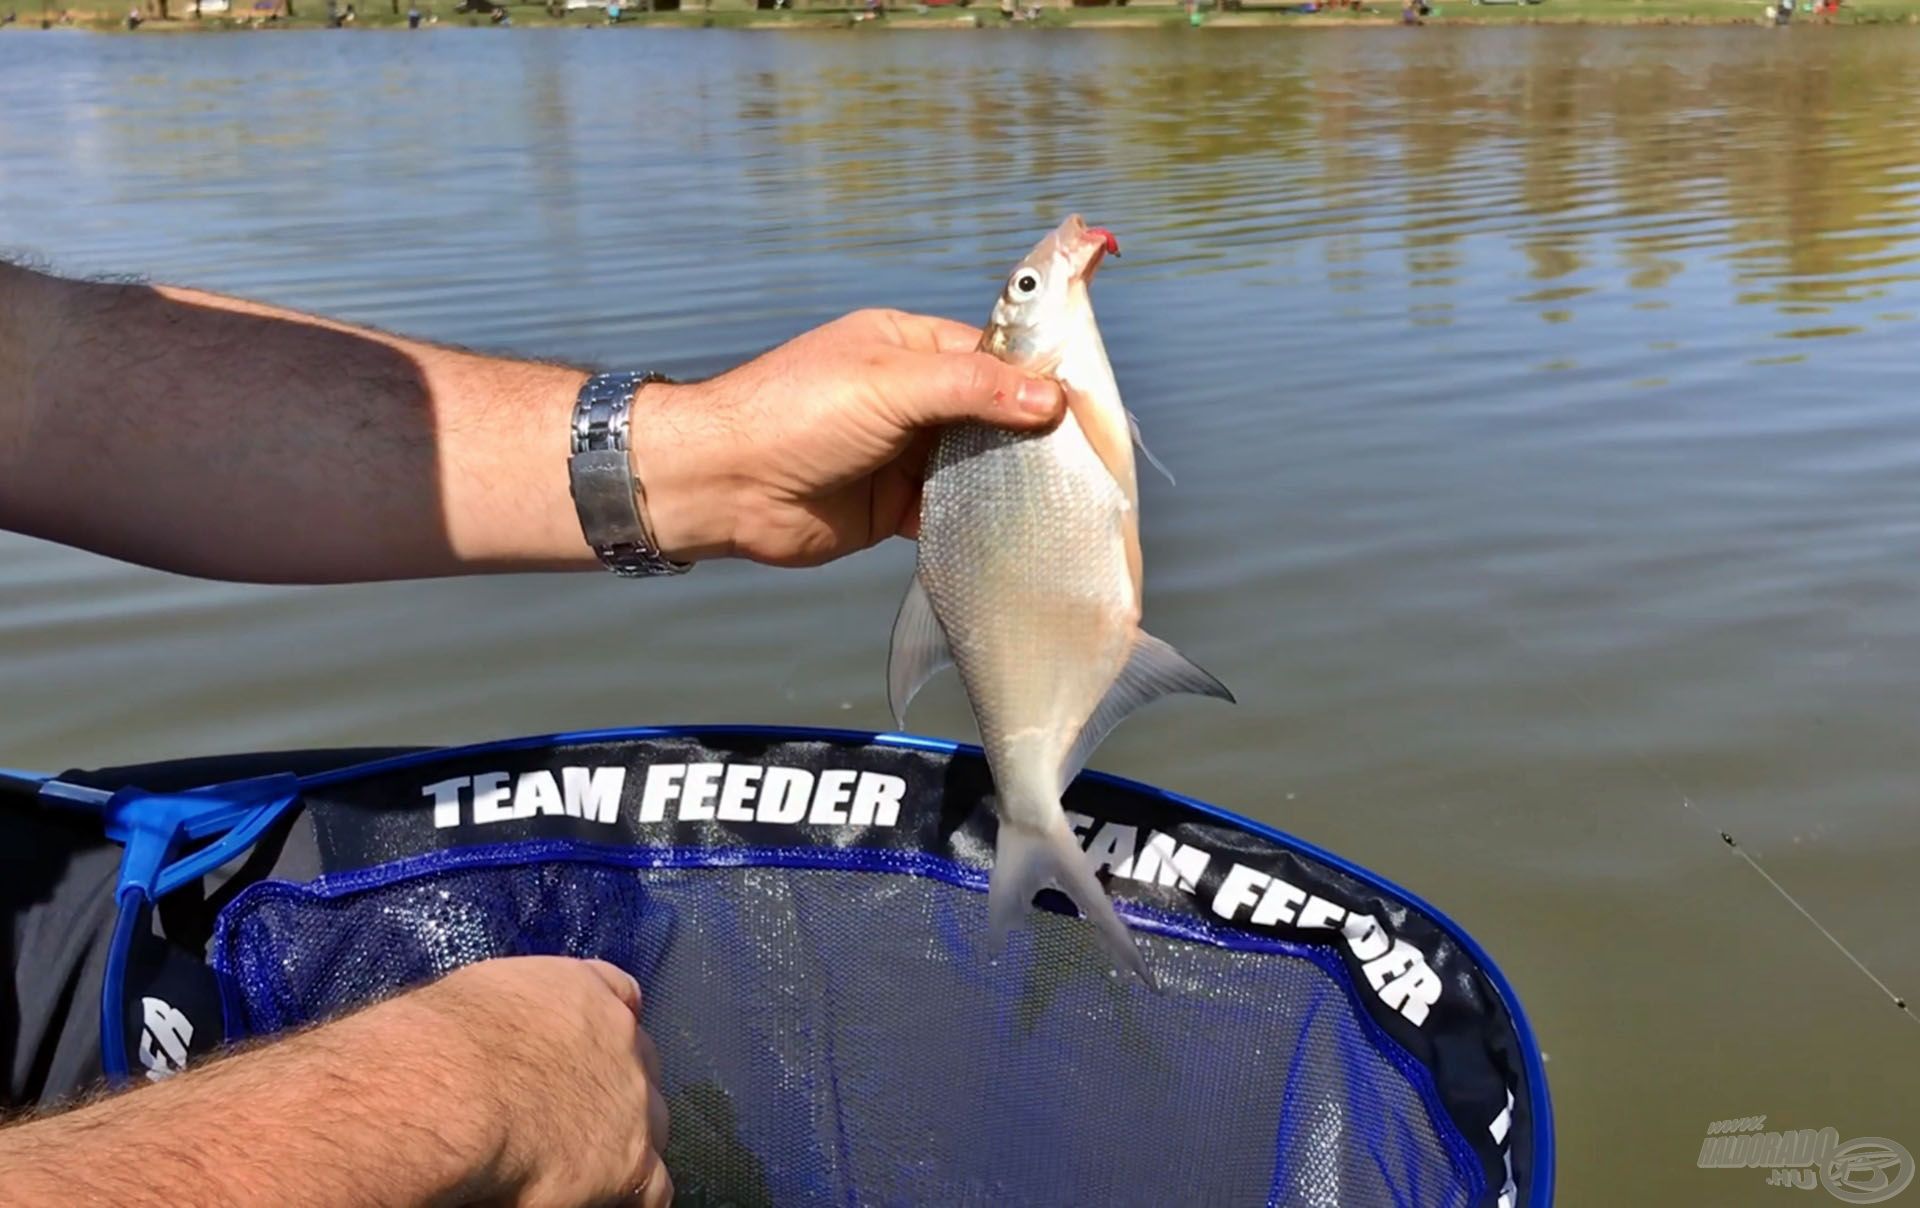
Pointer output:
x,y
610,500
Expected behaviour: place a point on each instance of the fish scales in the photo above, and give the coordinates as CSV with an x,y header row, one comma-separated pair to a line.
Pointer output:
x,y
1019,544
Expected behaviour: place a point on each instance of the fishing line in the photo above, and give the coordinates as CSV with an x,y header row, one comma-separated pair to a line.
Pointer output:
x,y
1687,803
1833,939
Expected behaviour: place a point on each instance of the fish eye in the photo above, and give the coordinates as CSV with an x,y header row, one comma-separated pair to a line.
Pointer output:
x,y
1025,284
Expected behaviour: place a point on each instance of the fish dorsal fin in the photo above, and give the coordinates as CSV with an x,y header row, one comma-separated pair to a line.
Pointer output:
x,y
1133,426
919,650
1153,670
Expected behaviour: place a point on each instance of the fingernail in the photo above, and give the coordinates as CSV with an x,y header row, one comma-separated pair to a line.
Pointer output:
x,y
1038,397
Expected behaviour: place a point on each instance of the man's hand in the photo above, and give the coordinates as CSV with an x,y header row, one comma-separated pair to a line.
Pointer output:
x,y
817,449
524,1081
573,1081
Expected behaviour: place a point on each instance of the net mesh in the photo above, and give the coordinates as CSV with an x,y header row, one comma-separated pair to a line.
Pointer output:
x,y
839,1037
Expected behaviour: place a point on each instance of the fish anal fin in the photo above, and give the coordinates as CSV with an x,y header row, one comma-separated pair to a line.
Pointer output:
x,y
1153,670
919,650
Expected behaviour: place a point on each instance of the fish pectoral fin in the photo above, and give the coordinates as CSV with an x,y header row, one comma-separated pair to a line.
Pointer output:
x,y
1153,670
1133,426
919,650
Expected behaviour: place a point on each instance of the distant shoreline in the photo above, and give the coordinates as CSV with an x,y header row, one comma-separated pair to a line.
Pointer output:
x,y
985,14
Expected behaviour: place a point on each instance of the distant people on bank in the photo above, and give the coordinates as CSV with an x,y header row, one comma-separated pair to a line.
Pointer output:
x,y
134,18
413,17
613,14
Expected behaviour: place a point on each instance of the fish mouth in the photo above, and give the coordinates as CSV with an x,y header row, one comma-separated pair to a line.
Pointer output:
x,y
1083,246
1087,247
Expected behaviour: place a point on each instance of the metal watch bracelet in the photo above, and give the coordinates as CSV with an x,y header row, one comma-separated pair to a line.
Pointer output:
x,y
609,499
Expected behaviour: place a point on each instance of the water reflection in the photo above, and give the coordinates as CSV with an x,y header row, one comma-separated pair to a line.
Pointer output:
x,y
1601,158
1613,170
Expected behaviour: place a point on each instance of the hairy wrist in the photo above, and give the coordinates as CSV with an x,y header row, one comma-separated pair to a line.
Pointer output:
x,y
506,1141
450,1084
679,451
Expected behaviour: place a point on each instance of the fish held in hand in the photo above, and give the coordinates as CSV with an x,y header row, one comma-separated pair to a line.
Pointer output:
x,y
1029,584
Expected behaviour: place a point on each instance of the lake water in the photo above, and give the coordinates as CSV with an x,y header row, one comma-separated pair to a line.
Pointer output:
x,y
1542,403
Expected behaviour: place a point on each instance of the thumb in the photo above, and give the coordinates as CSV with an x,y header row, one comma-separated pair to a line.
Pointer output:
x,y
944,387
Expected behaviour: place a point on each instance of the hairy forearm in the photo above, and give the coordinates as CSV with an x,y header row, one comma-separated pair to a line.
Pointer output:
x,y
226,439
369,1110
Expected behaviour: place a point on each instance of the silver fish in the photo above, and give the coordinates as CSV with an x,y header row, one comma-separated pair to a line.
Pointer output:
x,y
1029,583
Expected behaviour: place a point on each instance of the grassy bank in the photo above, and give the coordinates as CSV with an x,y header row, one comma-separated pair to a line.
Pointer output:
x,y
733,14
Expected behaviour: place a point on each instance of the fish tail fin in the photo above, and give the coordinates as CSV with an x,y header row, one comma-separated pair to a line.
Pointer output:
x,y
1028,859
